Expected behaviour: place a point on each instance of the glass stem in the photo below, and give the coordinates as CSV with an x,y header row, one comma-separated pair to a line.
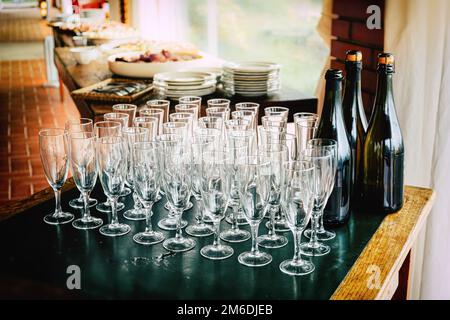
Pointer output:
x,y
137,203
86,213
273,209
199,215
113,202
80,198
297,239
234,221
179,234
314,241
216,233
58,209
321,229
148,218
254,232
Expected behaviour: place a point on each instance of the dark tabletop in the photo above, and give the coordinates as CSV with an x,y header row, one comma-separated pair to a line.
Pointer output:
x,y
35,257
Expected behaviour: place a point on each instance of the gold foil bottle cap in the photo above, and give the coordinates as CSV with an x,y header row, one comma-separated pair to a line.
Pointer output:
x,y
353,56
386,58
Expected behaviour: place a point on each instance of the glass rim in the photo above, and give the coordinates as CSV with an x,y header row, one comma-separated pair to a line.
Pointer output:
x,y
331,141
174,124
196,98
282,109
152,110
124,106
116,115
186,106
79,121
43,132
111,124
145,119
218,101
157,102
249,105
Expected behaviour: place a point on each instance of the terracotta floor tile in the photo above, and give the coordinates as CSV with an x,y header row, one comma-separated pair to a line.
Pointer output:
x,y
20,165
20,187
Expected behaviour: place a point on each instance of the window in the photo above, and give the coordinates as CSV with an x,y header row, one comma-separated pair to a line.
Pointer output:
x,y
282,31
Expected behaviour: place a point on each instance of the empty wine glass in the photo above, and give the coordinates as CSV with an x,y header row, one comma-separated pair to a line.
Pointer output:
x,y
297,200
167,142
84,172
154,112
133,135
176,175
277,111
192,100
122,118
108,129
160,104
278,123
151,123
211,122
80,125
55,163
235,150
129,109
276,154
147,172
245,115
305,128
322,160
200,145
254,179
112,171
184,117
331,146
215,190
249,106
189,108
219,103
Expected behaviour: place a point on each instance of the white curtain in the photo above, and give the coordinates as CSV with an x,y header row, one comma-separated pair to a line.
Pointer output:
x,y
164,20
418,33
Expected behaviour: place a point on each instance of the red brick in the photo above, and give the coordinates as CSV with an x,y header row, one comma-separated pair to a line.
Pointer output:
x,y
356,8
336,64
340,28
369,80
20,165
361,33
339,48
20,188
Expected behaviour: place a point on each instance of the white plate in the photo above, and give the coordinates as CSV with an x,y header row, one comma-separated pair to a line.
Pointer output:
x,y
147,69
184,77
256,67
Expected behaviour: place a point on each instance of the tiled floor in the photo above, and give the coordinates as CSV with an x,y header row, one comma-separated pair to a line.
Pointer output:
x,y
25,107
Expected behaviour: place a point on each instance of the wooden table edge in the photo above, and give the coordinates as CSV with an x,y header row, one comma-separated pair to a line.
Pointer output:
x,y
343,292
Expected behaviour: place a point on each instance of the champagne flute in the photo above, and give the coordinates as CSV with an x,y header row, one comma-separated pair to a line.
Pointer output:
x,y
84,172
160,104
254,178
129,109
112,171
331,146
154,112
215,190
108,129
297,200
55,162
80,125
147,171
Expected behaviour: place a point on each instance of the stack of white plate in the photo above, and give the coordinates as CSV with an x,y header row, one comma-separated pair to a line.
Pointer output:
x,y
251,79
184,83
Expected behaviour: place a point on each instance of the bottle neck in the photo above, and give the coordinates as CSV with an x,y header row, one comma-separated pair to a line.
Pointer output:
x,y
333,98
353,77
384,95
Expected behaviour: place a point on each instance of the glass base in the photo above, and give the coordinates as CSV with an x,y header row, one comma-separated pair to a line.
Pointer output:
x,y
85,224
170,224
126,191
179,244
60,218
254,259
322,236
200,230
79,204
317,249
241,221
207,219
217,252
280,225
114,230
148,238
135,214
235,235
106,207
188,207
272,241
295,268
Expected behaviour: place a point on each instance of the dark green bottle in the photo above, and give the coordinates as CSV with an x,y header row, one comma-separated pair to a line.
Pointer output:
x,y
383,147
331,126
355,120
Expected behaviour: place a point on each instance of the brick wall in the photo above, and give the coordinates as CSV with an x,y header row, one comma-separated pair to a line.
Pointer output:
x,y
349,32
